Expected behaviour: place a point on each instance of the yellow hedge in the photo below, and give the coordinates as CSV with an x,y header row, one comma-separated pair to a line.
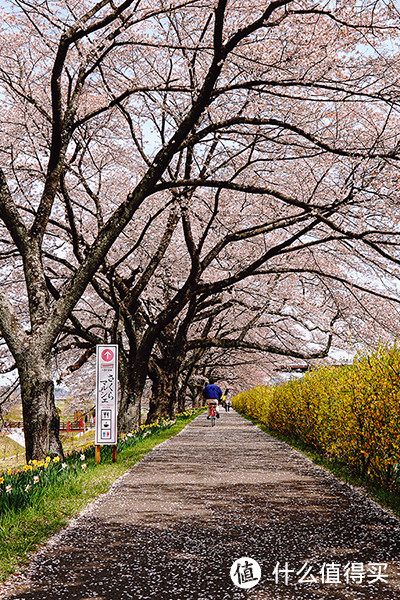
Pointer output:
x,y
350,413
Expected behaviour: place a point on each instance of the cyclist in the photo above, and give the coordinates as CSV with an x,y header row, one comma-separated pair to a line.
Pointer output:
x,y
213,394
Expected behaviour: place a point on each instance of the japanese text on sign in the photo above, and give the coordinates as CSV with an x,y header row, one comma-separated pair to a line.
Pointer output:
x,y
106,394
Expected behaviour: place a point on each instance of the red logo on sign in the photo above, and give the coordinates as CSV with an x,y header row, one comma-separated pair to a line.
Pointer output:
x,y
107,355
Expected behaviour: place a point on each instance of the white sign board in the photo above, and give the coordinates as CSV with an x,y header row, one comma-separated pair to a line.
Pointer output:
x,y
106,394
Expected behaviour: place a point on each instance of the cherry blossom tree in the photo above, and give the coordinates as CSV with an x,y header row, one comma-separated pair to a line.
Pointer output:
x,y
268,125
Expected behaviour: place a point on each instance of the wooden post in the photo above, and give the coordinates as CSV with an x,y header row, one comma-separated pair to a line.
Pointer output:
x,y
114,456
97,454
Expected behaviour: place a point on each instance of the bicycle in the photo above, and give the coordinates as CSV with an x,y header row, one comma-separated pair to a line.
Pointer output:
x,y
213,414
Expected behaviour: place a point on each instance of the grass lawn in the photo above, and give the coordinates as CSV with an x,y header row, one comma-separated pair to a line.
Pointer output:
x,y
21,532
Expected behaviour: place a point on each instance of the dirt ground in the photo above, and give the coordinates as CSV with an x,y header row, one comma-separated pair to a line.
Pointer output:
x,y
171,528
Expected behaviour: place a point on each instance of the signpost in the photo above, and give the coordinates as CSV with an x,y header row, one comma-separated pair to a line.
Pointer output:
x,y
106,397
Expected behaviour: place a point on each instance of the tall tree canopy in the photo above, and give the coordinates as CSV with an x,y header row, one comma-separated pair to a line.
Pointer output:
x,y
262,132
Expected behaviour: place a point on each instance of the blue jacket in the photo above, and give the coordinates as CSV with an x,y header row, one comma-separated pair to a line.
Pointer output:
x,y
212,391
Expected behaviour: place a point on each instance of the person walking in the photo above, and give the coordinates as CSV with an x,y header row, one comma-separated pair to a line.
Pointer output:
x,y
228,401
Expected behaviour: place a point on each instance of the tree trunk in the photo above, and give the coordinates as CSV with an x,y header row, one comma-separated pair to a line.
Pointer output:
x,y
177,395
41,420
160,398
196,397
129,411
165,392
181,401
132,380
161,391
178,389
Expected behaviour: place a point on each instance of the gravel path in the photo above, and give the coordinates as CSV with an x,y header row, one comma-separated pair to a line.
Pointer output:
x,y
171,528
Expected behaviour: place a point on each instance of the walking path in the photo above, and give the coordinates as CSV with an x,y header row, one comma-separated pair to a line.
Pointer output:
x,y
171,528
